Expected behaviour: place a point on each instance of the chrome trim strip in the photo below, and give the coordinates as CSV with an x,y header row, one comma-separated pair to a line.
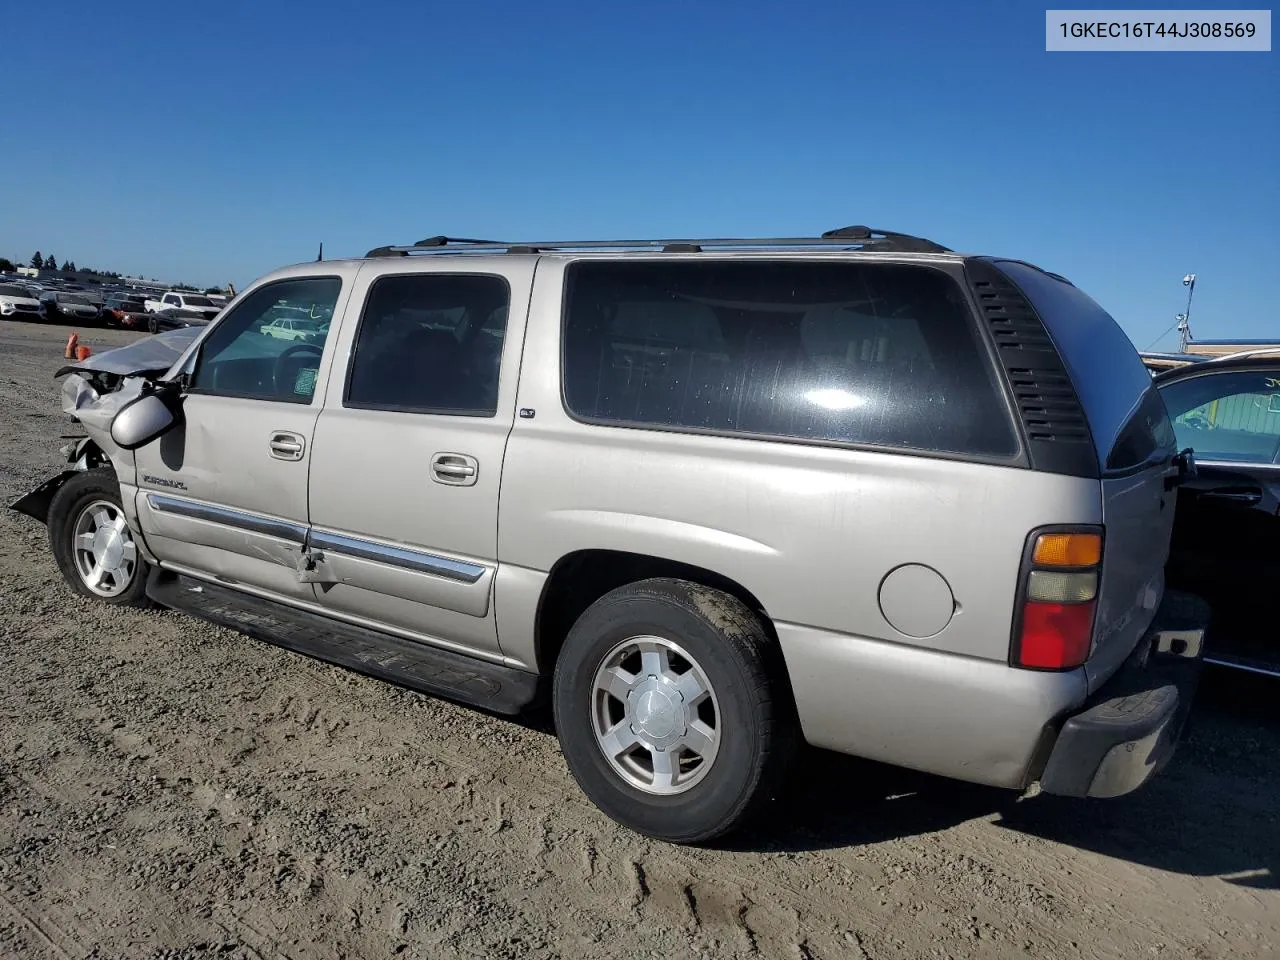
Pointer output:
x,y
268,526
403,557
1245,465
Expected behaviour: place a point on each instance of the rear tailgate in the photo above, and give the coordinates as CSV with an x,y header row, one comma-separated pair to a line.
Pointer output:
x,y
1134,445
1138,514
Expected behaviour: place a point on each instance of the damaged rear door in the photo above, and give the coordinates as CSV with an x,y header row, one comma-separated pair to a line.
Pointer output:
x,y
225,493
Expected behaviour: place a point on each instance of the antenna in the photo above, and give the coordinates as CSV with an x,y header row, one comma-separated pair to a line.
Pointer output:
x,y
320,255
1184,318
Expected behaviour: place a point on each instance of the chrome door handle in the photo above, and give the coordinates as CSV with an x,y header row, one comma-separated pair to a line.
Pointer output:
x,y
1235,496
456,469
285,445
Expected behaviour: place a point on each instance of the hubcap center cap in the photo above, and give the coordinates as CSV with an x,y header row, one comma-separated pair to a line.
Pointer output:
x,y
108,548
657,712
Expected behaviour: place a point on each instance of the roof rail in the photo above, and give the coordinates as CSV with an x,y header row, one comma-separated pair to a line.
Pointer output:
x,y
1256,352
863,238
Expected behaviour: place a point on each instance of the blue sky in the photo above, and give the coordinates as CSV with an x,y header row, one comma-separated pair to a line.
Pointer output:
x,y
210,143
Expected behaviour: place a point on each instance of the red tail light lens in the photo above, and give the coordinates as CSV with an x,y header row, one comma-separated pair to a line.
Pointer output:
x,y
1055,636
1060,574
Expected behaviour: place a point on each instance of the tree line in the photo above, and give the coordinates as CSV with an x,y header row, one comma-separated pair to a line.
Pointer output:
x,y
40,262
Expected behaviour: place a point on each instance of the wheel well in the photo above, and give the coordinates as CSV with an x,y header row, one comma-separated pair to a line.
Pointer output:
x,y
580,579
94,457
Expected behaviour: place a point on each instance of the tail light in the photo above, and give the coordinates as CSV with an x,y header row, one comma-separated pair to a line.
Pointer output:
x,y
1053,629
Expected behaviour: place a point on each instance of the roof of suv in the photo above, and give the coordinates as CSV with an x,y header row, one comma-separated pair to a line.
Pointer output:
x,y
857,241
845,239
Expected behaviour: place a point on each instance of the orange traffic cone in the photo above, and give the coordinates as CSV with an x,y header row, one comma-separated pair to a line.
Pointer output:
x,y
70,352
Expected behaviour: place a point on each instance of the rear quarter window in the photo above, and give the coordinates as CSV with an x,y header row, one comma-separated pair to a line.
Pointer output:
x,y
1127,419
877,354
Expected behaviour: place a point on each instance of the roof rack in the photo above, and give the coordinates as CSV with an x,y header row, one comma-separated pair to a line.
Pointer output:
x,y
857,237
1242,354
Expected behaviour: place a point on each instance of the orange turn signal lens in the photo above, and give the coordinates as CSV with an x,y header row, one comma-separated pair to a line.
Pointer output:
x,y
1067,550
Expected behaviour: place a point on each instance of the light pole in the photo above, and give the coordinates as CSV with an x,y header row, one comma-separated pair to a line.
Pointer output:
x,y
1184,318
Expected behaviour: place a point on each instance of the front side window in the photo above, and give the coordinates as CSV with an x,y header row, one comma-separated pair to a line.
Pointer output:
x,y
240,359
1227,416
430,343
881,354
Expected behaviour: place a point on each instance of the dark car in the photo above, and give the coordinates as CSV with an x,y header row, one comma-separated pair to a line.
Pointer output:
x,y
125,310
175,317
1227,523
70,307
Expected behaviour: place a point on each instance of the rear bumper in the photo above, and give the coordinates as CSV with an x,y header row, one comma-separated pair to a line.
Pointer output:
x,y
1131,727
976,720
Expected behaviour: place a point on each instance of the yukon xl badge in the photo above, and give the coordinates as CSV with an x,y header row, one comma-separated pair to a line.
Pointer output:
x,y
162,482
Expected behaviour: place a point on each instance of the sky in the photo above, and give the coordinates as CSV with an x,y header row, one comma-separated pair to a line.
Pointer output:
x,y
208,143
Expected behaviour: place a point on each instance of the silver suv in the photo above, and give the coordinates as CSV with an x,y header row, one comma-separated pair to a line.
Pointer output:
x,y
714,495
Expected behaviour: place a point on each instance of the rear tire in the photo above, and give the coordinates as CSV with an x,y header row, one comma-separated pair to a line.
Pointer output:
x,y
92,543
673,710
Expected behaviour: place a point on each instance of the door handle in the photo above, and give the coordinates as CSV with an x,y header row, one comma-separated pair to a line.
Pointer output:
x,y
1248,497
285,445
455,469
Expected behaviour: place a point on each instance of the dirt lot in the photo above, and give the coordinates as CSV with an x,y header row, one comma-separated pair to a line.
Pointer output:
x,y
171,789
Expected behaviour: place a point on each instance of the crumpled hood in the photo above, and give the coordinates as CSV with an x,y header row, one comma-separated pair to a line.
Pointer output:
x,y
150,356
94,410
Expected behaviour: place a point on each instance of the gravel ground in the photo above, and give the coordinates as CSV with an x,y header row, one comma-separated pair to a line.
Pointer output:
x,y
172,789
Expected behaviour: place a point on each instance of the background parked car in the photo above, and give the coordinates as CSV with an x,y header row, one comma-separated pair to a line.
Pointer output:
x,y
18,303
1228,517
172,318
126,310
174,299
296,328
67,307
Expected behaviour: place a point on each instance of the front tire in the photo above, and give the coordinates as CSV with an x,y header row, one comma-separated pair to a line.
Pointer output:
x,y
93,544
673,710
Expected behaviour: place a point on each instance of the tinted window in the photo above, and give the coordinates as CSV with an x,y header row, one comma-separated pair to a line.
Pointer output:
x,y
430,343
194,301
11,291
1227,416
1109,378
880,354
239,360
1146,435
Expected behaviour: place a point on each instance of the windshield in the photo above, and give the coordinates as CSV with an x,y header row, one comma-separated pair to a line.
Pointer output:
x,y
74,298
10,290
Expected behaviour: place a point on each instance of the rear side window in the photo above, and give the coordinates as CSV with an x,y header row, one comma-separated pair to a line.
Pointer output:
x,y
878,354
430,343
1126,419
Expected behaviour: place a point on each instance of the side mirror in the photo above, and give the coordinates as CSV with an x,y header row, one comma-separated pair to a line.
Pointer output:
x,y
140,421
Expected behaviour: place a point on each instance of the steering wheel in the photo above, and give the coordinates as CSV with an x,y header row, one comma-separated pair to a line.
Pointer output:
x,y
277,369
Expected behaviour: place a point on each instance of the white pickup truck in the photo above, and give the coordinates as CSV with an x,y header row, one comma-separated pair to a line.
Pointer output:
x,y
183,301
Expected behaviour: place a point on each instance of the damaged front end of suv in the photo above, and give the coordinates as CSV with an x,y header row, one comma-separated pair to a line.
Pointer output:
x,y
95,392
